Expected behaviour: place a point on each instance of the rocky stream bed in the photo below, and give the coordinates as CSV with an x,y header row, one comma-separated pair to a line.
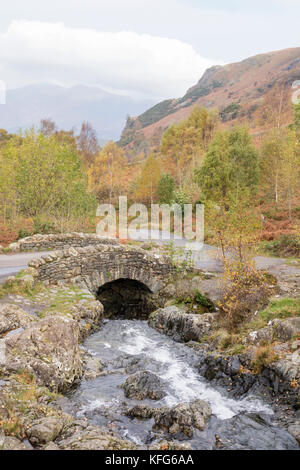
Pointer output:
x,y
73,379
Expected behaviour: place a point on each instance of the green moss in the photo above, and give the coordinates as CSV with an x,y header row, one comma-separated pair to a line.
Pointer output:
x,y
204,301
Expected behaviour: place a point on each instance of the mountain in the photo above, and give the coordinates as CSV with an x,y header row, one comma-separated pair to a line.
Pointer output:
x,y
68,107
242,92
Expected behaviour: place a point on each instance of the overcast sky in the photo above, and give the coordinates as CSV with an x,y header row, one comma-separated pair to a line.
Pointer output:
x,y
147,48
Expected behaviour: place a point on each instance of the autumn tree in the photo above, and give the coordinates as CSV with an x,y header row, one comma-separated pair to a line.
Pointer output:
x,y
41,177
275,107
4,137
185,143
166,189
290,170
106,172
47,127
230,168
87,143
271,164
147,182
280,165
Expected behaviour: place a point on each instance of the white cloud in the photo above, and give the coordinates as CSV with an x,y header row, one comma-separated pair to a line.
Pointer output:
x,y
53,52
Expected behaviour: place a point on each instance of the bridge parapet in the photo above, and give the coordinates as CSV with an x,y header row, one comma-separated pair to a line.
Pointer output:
x,y
60,241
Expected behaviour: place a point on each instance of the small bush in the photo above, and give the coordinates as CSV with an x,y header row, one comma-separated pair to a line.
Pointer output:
x,y
264,356
286,246
43,227
246,290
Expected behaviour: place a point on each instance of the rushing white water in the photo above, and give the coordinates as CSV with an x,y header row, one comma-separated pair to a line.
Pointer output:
x,y
127,346
172,365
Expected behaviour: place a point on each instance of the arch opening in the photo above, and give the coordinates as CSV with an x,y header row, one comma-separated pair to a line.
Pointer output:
x,y
127,298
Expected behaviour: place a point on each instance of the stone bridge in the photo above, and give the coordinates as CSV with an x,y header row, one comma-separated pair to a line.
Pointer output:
x,y
60,241
125,279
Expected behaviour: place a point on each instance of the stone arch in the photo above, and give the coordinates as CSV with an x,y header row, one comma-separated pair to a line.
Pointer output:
x,y
98,278
93,267
127,298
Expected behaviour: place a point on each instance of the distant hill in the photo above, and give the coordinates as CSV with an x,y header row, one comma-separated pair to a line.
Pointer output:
x,y
240,91
68,107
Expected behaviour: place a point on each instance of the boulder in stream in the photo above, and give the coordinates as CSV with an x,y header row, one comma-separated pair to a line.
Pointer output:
x,y
180,325
182,418
88,437
143,384
140,412
252,432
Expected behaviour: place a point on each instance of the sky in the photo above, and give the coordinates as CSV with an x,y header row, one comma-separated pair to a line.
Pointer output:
x,y
142,48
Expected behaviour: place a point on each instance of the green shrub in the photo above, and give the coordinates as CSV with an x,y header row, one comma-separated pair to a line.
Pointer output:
x,y
286,246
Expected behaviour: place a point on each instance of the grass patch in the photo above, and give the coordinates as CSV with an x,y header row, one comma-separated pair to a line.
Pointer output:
x,y
232,342
16,288
281,308
65,298
19,400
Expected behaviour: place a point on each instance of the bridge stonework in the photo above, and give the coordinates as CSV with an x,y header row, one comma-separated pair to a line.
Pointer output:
x,y
60,241
94,266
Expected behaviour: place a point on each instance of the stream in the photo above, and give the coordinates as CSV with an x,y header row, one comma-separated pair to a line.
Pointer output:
x,y
128,346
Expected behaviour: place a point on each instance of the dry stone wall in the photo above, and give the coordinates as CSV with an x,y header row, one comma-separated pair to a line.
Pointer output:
x,y
60,241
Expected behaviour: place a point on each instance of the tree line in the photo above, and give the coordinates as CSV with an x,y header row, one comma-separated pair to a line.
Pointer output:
x,y
54,175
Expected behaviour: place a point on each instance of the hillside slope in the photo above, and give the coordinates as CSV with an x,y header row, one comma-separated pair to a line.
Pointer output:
x,y
243,92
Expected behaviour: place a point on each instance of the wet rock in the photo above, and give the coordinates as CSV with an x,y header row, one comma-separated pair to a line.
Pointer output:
x,y
11,443
45,430
13,317
143,385
92,367
182,326
252,432
288,368
140,412
182,418
88,313
93,438
294,430
49,350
